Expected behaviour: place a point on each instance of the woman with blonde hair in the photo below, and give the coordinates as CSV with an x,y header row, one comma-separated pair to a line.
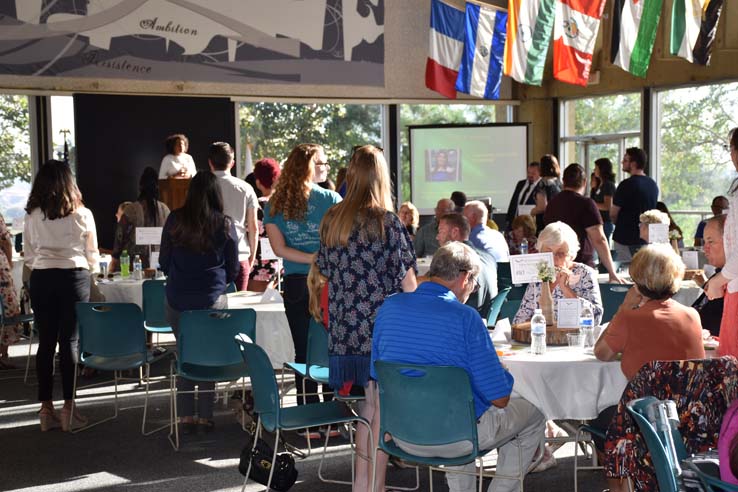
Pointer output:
x,y
366,254
410,217
292,219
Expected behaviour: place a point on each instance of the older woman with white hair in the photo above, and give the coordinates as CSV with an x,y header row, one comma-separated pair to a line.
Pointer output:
x,y
649,217
573,280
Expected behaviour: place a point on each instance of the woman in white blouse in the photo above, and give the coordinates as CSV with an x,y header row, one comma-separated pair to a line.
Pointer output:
x,y
61,251
177,164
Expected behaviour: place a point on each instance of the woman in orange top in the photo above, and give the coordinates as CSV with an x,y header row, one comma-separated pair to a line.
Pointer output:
x,y
650,325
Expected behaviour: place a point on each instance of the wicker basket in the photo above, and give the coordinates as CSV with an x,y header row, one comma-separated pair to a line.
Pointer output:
x,y
554,335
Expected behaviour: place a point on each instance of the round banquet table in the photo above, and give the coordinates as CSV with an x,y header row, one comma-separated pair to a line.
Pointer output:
x,y
424,265
565,383
272,330
119,290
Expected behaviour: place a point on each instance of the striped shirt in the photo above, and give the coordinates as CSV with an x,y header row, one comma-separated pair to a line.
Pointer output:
x,y
430,326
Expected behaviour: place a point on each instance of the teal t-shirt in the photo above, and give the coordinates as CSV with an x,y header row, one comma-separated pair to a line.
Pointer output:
x,y
304,235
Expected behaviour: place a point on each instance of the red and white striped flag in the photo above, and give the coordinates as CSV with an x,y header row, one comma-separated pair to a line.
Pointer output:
x,y
575,32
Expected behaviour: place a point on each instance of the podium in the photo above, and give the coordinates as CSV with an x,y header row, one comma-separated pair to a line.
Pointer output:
x,y
173,192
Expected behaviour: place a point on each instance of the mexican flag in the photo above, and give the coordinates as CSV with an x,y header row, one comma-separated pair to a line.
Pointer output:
x,y
693,27
529,26
634,26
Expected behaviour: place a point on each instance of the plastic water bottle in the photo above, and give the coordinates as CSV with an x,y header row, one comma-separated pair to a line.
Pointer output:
x,y
137,268
586,326
524,247
538,333
125,263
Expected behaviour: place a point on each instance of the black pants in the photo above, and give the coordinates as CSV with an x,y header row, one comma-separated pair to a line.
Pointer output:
x,y
297,309
54,293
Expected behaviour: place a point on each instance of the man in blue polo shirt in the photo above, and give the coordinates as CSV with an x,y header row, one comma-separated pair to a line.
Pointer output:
x,y
433,326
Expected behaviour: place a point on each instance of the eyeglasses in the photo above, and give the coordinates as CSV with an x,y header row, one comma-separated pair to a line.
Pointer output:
x,y
473,279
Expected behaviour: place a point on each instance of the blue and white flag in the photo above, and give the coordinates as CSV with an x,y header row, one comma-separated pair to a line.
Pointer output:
x,y
484,45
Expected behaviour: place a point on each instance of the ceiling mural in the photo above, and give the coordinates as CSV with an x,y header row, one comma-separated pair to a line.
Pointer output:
x,y
235,41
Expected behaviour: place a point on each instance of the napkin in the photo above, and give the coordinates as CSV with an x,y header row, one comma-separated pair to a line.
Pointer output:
x,y
271,295
502,332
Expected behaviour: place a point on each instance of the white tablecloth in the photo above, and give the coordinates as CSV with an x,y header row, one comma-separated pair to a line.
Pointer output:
x,y
17,273
123,291
272,330
423,265
565,383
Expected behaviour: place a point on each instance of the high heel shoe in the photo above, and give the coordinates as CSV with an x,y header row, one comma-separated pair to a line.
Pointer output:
x,y
48,419
77,420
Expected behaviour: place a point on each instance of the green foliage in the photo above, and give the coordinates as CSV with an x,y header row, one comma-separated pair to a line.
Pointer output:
x,y
15,158
273,129
607,114
436,114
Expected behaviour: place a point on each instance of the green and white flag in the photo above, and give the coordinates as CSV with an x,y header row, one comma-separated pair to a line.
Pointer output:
x,y
634,26
693,27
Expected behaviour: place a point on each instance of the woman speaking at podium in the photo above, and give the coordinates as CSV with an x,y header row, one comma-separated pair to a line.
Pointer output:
x,y
177,164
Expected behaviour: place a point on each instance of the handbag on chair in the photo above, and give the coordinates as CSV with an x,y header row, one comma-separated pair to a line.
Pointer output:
x,y
285,473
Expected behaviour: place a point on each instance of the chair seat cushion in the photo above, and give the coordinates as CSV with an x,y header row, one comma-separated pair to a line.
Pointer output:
x,y
119,363
319,374
392,448
298,367
197,372
157,328
21,318
315,414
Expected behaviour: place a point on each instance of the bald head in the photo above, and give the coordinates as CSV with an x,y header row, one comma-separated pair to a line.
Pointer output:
x,y
443,207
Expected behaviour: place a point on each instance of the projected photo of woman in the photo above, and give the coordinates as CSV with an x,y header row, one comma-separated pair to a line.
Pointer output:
x,y
442,165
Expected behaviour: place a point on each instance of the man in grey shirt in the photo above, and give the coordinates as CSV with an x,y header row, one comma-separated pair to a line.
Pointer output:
x,y
425,240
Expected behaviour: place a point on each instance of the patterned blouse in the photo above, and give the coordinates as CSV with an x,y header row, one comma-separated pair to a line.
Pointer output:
x,y
360,276
262,270
702,390
583,281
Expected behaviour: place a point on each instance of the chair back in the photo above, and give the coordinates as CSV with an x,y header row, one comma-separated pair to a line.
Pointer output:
x,y
110,329
658,444
426,405
613,296
263,382
509,308
154,293
231,288
497,302
504,276
206,337
709,483
317,345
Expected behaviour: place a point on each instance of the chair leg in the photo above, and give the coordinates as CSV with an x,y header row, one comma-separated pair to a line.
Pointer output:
x,y
146,406
274,460
257,433
173,427
430,477
28,358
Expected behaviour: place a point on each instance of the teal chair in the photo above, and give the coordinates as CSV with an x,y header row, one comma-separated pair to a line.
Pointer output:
x,y
710,483
494,309
583,437
664,442
504,276
275,418
231,288
155,317
207,354
112,338
613,296
315,366
428,406
509,308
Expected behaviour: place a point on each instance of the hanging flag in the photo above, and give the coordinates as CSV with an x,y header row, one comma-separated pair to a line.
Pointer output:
x,y
575,33
634,26
693,27
529,25
484,46
444,51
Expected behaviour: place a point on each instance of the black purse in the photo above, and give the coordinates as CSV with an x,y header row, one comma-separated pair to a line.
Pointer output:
x,y
285,473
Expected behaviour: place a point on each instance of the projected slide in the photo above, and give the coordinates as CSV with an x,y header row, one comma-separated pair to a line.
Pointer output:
x,y
480,160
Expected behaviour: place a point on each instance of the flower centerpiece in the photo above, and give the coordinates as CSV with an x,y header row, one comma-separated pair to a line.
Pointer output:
x,y
546,275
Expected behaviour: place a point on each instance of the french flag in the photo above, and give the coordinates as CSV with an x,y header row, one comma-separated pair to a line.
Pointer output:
x,y
446,47
480,72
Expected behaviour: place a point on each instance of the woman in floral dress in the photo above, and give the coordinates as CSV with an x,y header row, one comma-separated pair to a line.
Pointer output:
x,y
366,254
10,333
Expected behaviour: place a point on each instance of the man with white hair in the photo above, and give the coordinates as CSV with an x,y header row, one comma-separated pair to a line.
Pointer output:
x,y
432,326
483,237
425,239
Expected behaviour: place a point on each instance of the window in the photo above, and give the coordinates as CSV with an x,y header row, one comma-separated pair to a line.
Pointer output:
x,y
692,128
430,114
15,157
62,130
273,129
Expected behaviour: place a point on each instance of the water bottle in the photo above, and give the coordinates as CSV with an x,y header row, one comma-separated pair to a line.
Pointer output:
x,y
586,326
125,262
538,333
137,268
524,247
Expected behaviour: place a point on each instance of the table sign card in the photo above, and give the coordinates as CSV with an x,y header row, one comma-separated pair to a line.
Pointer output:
x,y
502,331
267,253
658,233
691,259
524,268
525,209
148,235
567,313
